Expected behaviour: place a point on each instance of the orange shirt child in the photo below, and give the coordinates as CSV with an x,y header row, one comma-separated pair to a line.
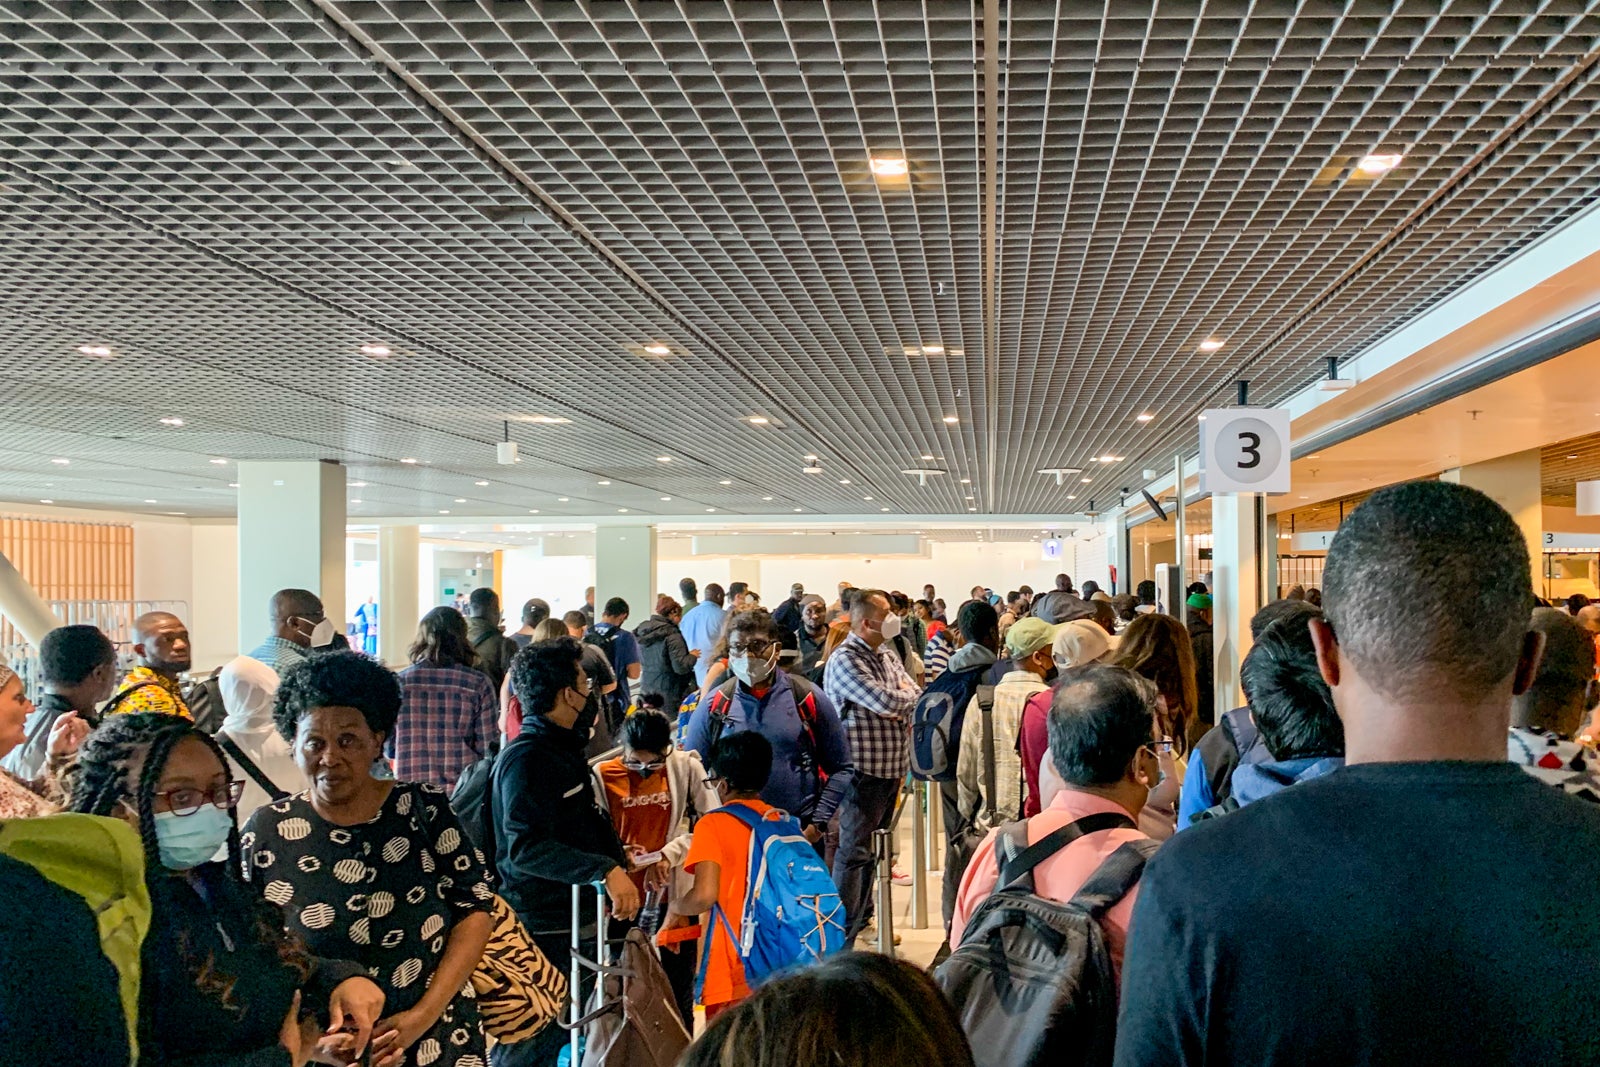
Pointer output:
x,y
641,808
725,841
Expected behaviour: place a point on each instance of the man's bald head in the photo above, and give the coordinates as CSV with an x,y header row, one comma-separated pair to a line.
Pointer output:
x,y
1589,618
295,614
162,642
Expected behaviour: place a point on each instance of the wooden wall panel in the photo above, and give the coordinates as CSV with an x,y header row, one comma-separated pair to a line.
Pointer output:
x,y
71,560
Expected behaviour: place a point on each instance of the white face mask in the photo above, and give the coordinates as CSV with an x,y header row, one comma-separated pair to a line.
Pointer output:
x,y
322,634
750,671
891,627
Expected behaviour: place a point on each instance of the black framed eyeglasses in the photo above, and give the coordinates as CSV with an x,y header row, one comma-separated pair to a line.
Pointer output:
x,y
711,781
189,801
751,648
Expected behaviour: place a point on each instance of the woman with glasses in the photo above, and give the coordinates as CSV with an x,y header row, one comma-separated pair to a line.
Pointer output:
x,y
650,791
222,981
375,870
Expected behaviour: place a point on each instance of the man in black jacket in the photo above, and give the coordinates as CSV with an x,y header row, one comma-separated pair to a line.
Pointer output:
x,y
492,647
549,833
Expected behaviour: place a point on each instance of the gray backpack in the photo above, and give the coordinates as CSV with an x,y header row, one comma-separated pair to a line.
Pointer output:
x,y
1032,978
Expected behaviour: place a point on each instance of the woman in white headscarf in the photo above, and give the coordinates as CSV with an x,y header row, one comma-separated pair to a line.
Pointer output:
x,y
249,690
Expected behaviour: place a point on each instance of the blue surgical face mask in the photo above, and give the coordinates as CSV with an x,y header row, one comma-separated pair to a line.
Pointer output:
x,y
187,841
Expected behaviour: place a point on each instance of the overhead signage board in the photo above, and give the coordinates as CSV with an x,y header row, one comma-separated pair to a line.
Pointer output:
x,y
1245,450
1050,549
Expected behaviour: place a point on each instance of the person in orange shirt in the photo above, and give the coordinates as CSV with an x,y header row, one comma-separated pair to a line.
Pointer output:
x,y
650,790
719,860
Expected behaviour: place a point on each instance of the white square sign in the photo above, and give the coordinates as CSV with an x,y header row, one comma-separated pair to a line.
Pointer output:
x,y
1245,450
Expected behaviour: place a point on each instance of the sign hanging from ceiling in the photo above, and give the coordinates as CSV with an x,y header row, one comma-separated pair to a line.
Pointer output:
x,y
1050,549
1244,450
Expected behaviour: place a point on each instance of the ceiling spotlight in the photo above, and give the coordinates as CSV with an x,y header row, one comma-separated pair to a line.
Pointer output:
x,y
64,462
766,498
100,351
951,420
377,351
758,420
1086,481
461,500
1379,164
408,459
883,509
726,481
42,501
562,499
1144,418
1211,344
358,485
533,511
809,459
219,463
666,498
1110,459
966,481
444,511
658,349
543,420
355,501
622,511
933,350
150,501
171,421
480,483
889,167
797,509
710,510
927,456
972,509
233,485
866,498
844,481
602,482
811,470
663,459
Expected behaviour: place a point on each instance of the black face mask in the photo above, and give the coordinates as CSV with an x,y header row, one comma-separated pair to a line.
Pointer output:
x,y
588,715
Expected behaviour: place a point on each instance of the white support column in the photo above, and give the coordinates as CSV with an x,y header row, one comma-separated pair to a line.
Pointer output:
x,y
1116,532
291,536
625,566
399,605
22,606
1514,483
1237,591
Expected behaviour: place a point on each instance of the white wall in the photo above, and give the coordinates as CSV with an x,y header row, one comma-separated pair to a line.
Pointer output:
x,y
214,604
559,580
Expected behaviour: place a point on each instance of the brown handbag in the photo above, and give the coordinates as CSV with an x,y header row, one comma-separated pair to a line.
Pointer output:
x,y
639,1025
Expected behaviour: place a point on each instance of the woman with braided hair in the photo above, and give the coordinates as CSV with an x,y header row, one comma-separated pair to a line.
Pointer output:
x,y
223,982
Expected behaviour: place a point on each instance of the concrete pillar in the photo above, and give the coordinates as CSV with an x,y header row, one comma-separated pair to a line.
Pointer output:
x,y
1238,588
399,602
625,566
291,536
22,605
1514,482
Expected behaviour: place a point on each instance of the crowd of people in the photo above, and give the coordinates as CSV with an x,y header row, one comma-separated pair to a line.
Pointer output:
x,y
309,856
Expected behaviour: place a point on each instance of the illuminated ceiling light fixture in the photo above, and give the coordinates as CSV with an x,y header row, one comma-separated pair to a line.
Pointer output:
x,y
758,420
64,462
99,351
1374,165
1210,344
951,420
562,499
658,349
933,350
809,459
408,460
811,470
377,351
603,482
889,167
358,485
480,483
219,463
171,421
726,481
663,459
544,420
666,498
1146,417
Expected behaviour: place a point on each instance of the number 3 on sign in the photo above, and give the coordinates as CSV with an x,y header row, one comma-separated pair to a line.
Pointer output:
x,y
1244,450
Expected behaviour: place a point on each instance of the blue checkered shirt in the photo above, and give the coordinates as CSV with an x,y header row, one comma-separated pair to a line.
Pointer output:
x,y
449,718
875,697
278,653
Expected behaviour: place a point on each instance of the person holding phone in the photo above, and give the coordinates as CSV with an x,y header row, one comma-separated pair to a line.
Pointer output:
x,y
651,790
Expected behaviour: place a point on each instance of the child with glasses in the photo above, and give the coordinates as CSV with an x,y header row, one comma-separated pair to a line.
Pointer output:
x,y
651,790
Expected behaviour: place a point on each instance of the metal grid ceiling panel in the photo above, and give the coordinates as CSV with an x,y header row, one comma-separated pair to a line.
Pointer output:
x,y
236,197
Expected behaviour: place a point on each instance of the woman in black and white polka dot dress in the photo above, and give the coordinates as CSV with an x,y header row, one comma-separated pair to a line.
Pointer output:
x,y
375,871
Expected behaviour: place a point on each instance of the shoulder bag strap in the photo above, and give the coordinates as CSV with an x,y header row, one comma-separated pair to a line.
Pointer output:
x,y
1113,878
115,701
986,710
1014,868
248,766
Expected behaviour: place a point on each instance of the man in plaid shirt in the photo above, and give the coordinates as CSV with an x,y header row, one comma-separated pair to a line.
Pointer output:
x,y
875,697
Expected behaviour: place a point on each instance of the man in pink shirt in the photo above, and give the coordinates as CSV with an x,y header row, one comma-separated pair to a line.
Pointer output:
x,y
1102,732
1076,643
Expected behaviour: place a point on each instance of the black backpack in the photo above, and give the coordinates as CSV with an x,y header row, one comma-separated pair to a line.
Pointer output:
x,y
1032,978
472,801
205,703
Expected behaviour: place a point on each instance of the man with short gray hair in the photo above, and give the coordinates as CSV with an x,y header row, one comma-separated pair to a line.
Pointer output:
x,y
1369,915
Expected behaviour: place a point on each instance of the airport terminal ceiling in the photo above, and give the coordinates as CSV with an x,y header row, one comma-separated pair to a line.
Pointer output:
x,y
677,250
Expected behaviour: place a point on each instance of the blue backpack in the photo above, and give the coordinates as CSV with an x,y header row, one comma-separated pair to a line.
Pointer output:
x,y
936,722
792,912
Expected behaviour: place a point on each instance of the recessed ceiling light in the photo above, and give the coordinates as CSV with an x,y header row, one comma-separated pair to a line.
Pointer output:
x,y
376,351
1145,417
1071,496
622,511
766,498
1086,481
1110,459
889,166
533,511
663,459
952,419
47,501
562,499
798,509
444,511
811,470
726,481
926,455
63,462
602,482
758,420
1379,164
966,481
408,459
480,483
658,349
972,498
461,500
866,498
709,510
972,509
844,481
809,459
1211,344
933,350
543,420
233,485
666,498
883,509
171,420
355,501
101,351
148,501
358,485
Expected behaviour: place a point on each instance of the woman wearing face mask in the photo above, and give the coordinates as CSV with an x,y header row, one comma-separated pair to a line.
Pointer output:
x,y
375,870
222,982
649,791
809,752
